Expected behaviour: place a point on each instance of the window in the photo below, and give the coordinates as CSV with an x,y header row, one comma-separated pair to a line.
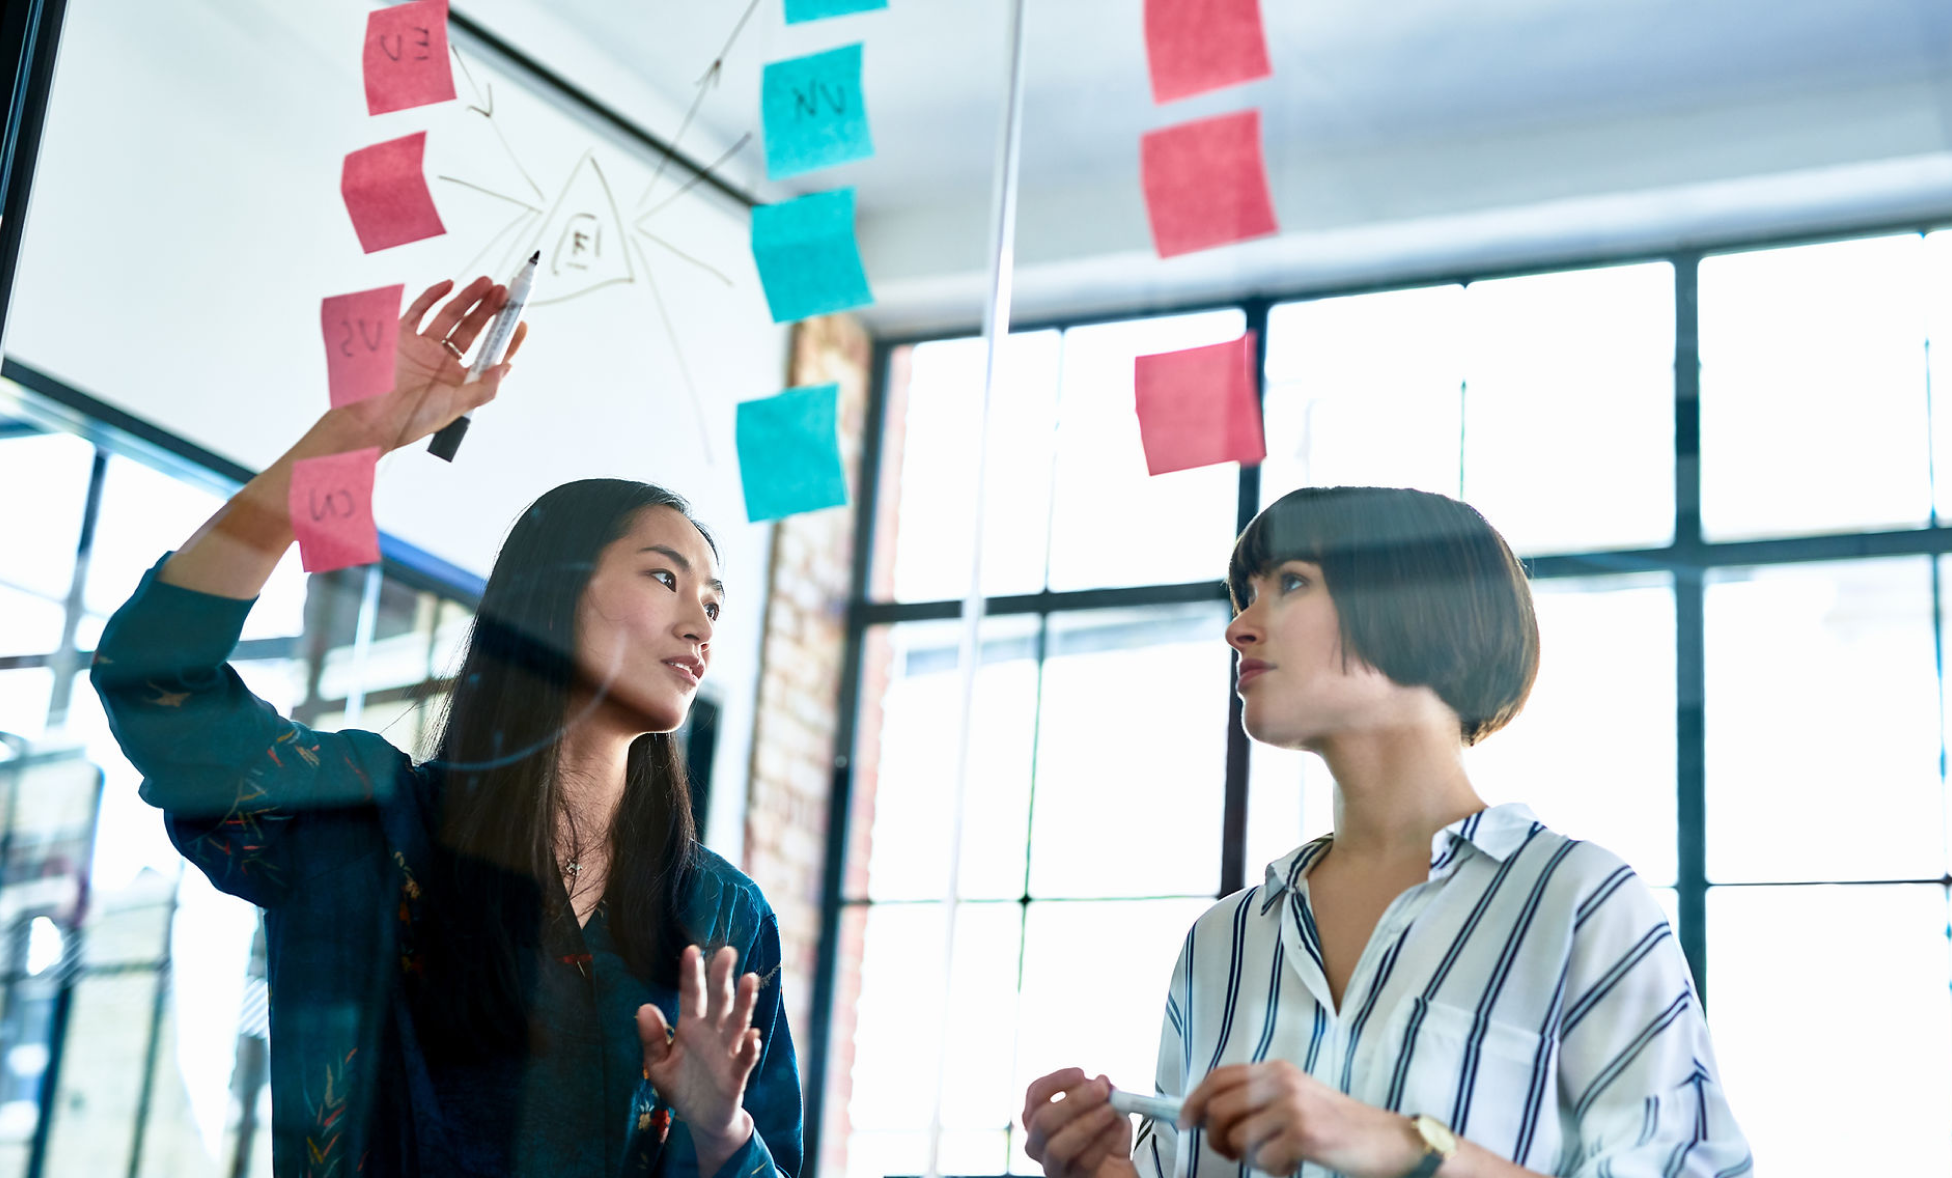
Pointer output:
x,y
159,965
1751,712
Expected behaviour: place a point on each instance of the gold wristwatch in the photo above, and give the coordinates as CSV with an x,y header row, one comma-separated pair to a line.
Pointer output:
x,y
1439,1145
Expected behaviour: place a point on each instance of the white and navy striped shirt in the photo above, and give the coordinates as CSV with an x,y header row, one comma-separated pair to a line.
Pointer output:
x,y
1530,995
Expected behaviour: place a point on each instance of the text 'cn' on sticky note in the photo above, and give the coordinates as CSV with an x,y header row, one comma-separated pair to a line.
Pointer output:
x,y
1206,183
386,193
331,504
405,59
362,333
814,112
1198,407
808,261
789,452
1193,46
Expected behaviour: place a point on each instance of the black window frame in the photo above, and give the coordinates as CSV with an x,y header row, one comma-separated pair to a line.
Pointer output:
x,y
1688,559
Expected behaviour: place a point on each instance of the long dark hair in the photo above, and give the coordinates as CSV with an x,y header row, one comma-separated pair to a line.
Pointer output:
x,y
495,769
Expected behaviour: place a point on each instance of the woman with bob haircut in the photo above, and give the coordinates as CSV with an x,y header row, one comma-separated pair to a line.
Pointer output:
x,y
490,962
1438,987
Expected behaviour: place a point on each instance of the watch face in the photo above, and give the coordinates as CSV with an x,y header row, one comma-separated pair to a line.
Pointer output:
x,y
1435,1135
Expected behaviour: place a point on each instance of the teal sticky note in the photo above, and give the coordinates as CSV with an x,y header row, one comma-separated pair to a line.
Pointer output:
x,y
798,11
814,112
789,452
807,258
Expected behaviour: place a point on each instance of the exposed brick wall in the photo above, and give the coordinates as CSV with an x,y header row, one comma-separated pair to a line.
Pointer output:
x,y
800,670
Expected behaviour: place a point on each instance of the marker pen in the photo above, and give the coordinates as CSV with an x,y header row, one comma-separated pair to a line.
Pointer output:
x,y
448,440
1159,1108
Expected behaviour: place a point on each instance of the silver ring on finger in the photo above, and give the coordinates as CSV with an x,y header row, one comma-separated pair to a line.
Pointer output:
x,y
449,345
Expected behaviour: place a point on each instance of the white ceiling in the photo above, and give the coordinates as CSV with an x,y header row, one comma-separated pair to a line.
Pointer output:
x,y
1412,111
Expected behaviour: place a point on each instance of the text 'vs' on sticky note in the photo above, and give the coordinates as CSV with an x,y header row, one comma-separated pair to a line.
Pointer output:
x,y
800,11
386,193
362,333
808,261
789,452
1206,183
406,62
331,505
814,112
1193,46
1199,406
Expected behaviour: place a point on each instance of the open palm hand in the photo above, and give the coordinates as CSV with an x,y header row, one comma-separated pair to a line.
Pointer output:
x,y
702,1066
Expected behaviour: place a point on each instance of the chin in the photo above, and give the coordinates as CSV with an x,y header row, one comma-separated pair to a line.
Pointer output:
x,y
649,711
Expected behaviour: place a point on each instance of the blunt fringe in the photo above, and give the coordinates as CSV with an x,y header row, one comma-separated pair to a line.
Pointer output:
x,y
1427,591
495,883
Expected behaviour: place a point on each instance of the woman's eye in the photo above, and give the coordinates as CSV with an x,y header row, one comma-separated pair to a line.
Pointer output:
x,y
666,578
711,611
1292,581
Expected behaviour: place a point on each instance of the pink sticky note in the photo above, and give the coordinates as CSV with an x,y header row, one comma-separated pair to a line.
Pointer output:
x,y
1198,45
406,56
1199,407
331,506
362,332
1205,183
386,193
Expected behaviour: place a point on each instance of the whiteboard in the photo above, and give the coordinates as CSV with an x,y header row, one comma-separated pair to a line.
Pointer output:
x,y
186,220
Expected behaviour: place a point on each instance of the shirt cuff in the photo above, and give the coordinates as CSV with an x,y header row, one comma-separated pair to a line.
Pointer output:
x,y
164,628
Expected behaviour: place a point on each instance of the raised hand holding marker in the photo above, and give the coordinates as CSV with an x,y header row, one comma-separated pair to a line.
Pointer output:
x,y
445,443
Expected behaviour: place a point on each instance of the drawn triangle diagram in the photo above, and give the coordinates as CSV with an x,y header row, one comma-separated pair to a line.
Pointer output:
x,y
582,239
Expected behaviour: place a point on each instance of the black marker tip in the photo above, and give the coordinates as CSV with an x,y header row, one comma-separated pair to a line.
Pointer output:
x,y
536,257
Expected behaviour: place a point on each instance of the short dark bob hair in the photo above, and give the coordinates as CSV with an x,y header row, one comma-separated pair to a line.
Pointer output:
x,y
1427,591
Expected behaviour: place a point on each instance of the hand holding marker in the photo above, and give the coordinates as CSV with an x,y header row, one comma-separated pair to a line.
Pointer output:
x,y
1159,1108
444,444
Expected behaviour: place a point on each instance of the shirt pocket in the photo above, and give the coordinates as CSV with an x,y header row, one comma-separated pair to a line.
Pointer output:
x,y
1491,1081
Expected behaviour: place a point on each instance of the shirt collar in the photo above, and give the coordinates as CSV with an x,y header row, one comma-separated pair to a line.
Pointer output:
x,y
1496,831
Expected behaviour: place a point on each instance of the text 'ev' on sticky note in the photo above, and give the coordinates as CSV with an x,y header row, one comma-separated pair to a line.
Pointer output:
x,y
331,505
1193,46
808,261
814,112
405,59
789,452
362,335
1199,406
1206,183
800,11
386,193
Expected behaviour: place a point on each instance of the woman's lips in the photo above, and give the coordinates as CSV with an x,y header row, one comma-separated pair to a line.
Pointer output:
x,y
683,670
1250,670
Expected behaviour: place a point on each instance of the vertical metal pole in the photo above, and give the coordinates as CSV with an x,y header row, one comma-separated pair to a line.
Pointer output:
x,y
1233,814
67,660
1690,728
996,328
32,33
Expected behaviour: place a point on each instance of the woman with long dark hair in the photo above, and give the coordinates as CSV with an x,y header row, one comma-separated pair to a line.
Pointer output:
x,y
513,958
1438,988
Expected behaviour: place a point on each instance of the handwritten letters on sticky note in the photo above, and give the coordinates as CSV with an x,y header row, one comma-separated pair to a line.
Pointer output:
x,y
406,62
386,193
331,504
789,452
814,113
1198,407
808,261
362,333
1206,184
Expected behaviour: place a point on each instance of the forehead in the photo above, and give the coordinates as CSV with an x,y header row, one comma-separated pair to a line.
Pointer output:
x,y
665,527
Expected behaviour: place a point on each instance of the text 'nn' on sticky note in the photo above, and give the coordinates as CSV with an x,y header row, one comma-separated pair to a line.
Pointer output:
x,y
789,452
1199,406
362,333
814,113
406,61
1193,46
1206,184
386,193
331,506
800,11
808,262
